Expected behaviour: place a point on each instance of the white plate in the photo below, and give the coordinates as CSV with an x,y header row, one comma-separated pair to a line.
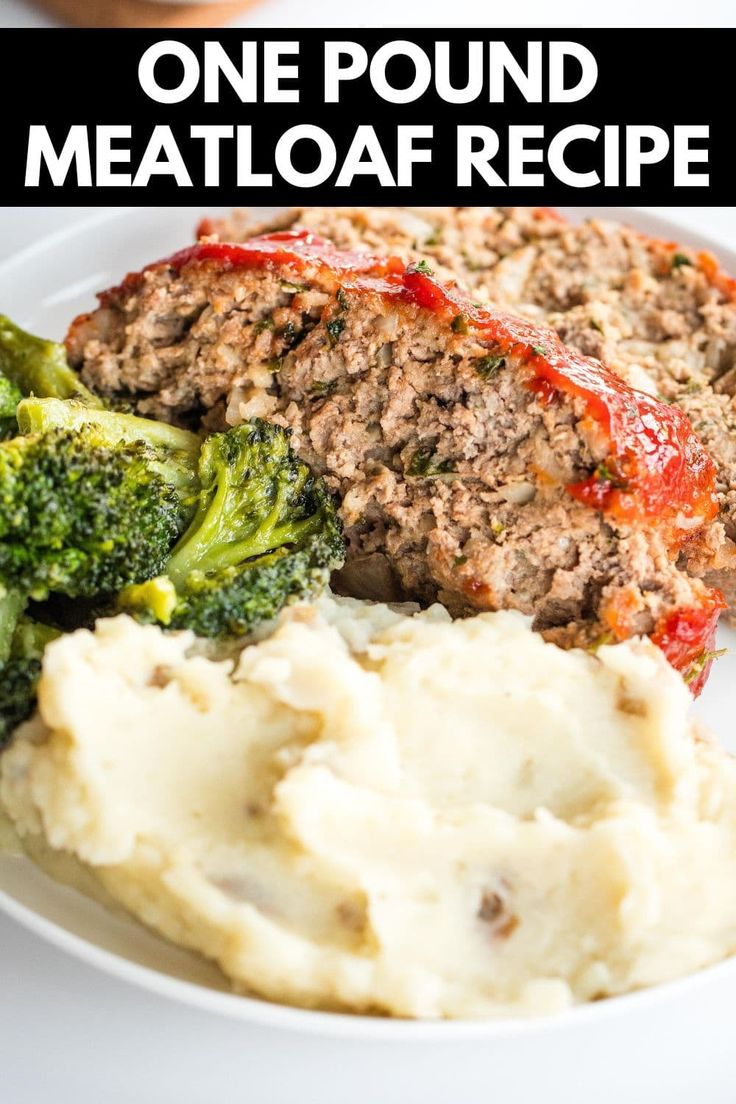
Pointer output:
x,y
42,288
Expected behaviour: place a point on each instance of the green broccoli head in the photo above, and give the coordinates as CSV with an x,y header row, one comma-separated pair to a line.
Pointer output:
x,y
265,532
22,643
256,496
173,452
10,396
79,517
39,367
231,602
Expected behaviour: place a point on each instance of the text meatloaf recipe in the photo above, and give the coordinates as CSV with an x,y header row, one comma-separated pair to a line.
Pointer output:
x,y
378,812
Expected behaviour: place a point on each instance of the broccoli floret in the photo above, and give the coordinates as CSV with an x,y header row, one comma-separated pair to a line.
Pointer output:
x,y
20,670
173,452
80,517
10,396
39,367
265,532
233,601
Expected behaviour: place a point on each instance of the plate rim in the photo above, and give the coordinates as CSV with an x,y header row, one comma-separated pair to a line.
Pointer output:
x,y
335,1024
343,1025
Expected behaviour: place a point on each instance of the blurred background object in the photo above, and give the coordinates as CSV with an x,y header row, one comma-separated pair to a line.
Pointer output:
x,y
426,13
145,13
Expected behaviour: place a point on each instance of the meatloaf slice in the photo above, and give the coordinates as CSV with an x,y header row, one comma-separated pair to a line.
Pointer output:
x,y
476,459
660,315
459,242
184,338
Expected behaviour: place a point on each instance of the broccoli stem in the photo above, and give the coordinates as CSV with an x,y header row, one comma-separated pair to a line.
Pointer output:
x,y
203,535
265,532
12,604
31,637
39,367
204,546
176,450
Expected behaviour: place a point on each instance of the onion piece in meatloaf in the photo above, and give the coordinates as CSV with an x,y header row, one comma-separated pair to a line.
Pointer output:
x,y
660,315
478,461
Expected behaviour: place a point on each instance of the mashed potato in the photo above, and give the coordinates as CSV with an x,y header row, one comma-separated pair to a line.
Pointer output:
x,y
382,812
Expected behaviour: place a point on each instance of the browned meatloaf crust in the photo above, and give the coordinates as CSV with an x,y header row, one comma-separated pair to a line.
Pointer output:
x,y
451,470
660,315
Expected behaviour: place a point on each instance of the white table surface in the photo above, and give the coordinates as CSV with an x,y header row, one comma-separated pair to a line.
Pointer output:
x,y
70,1035
542,13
